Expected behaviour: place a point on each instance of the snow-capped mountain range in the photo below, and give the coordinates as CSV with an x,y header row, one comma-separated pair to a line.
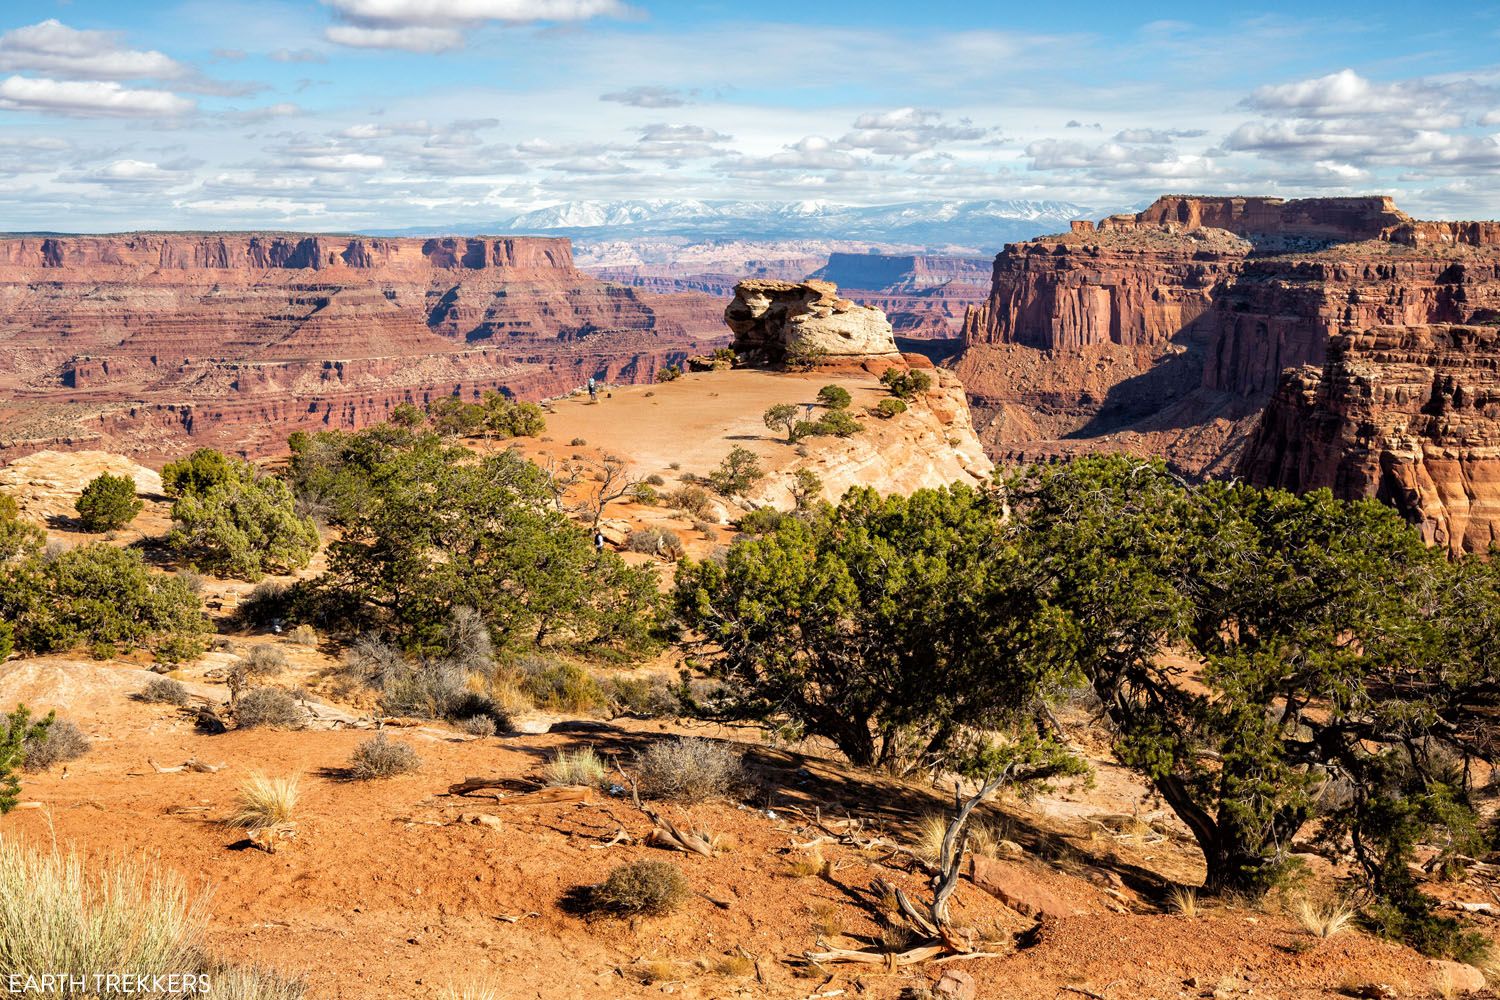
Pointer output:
x,y
981,225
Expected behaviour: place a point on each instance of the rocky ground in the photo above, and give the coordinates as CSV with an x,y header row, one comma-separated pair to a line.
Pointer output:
x,y
404,889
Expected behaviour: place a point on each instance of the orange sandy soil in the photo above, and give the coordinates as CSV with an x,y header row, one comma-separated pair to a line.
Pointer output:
x,y
383,894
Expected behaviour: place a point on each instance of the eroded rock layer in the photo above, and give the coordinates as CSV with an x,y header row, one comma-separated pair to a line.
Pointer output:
x,y
137,341
1166,333
1406,414
775,320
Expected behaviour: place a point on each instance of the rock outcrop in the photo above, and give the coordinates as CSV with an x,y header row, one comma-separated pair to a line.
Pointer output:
x,y
1166,333
925,296
1409,415
771,320
138,341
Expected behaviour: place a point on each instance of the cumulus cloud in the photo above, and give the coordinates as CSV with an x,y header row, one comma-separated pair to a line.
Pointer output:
x,y
138,172
1157,136
1115,160
54,48
908,131
1344,94
438,25
88,98
651,97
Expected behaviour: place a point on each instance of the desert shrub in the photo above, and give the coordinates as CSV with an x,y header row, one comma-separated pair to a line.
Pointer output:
x,y
466,639
381,757
108,503
669,373
803,356
268,707
101,597
687,769
645,494
433,689
303,635
16,731
655,480
370,659
578,442
265,801
835,397
737,473
650,697
267,603
165,691
806,488
645,888
905,384
760,520
19,539
59,743
575,767
657,542
888,408
482,726
560,686
263,660
690,499
836,423
244,527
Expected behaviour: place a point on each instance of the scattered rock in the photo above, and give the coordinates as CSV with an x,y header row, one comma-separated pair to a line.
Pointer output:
x,y
955,985
1018,888
1456,978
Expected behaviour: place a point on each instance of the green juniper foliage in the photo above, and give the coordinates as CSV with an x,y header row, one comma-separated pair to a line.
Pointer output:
x,y
108,503
16,729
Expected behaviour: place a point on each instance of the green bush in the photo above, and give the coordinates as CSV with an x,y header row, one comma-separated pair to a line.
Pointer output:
x,y
645,888
835,397
782,416
905,384
668,374
837,423
803,357
737,474
760,521
648,697
888,408
16,732
18,538
104,598
108,503
243,528
645,494
202,471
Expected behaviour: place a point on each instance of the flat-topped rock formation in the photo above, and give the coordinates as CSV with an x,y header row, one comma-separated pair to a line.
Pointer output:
x,y
1167,332
140,340
773,320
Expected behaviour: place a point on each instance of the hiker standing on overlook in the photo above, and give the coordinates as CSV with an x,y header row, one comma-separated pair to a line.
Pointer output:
x,y
593,390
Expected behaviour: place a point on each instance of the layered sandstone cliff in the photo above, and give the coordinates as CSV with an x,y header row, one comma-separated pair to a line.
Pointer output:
x,y
137,341
1406,414
774,320
1166,333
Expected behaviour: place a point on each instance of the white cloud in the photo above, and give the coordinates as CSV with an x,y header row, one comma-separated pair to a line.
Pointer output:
x,y
341,161
91,98
431,26
411,39
650,97
53,47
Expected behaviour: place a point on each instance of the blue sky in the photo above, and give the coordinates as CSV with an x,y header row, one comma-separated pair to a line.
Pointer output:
x,y
372,114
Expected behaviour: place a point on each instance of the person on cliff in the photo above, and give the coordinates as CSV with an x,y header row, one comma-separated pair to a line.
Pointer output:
x,y
598,542
593,390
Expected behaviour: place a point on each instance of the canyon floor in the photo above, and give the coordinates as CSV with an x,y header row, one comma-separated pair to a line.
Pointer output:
x,y
392,889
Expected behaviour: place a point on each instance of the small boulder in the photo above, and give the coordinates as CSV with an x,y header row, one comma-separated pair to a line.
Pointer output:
x,y
1456,978
955,985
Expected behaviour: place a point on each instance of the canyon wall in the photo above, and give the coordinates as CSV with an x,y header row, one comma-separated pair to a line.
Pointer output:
x,y
1167,332
1406,414
138,341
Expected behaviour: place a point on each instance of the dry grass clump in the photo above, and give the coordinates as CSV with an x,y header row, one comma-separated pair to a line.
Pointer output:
x,y
811,864
268,707
557,685
1183,901
57,918
691,499
1324,921
645,888
263,661
647,697
736,966
478,725
575,767
251,983
380,757
984,837
303,635
471,991
687,769
62,742
657,542
165,691
265,802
